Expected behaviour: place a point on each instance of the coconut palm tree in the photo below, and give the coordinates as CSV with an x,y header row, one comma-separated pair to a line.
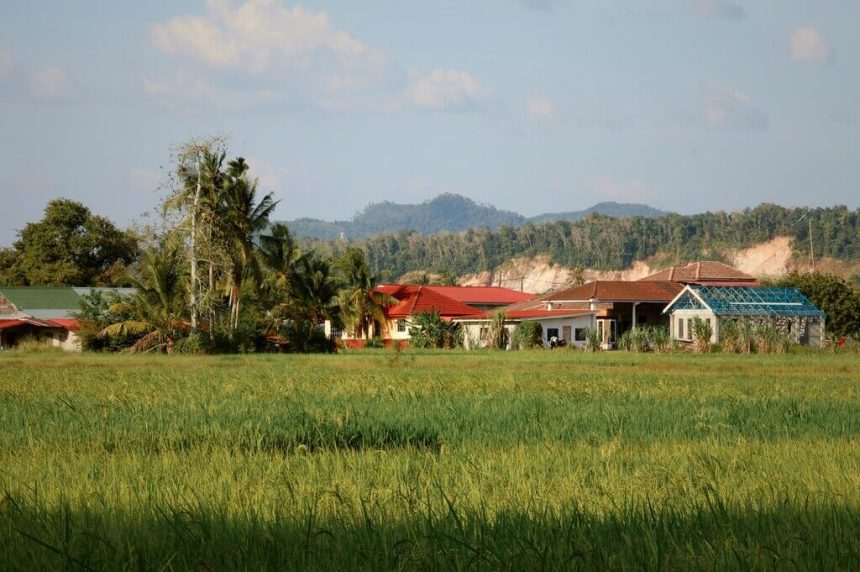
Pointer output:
x,y
361,303
243,219
279,253
157,306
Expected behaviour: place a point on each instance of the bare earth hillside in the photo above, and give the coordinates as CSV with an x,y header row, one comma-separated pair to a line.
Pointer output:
x,y
767,260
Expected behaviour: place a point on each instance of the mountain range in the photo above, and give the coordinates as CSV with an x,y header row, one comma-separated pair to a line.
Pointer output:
x,y
448,212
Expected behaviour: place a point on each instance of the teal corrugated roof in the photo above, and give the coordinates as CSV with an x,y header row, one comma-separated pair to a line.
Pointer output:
x,y
774,301
41,298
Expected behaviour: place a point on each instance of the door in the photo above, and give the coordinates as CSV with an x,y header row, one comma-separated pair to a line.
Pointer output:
x,y
565,334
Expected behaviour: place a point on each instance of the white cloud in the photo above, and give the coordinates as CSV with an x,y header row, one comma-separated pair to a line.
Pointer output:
x,y
261,50
446,90
808,45
261,34
722,9
632,190
731,109
539,107
50,83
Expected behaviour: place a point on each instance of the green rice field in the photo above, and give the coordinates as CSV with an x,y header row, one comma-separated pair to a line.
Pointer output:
x,y
378,460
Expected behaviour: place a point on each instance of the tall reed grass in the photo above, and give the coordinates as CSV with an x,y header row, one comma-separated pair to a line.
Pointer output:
x,y
521,460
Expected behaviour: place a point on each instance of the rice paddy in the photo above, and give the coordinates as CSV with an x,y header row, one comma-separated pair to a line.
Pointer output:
x,y
430,461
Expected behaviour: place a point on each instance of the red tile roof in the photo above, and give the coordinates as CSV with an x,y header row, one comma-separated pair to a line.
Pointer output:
x,y
702,272
415,299
16,322
483,294
67,323
618,291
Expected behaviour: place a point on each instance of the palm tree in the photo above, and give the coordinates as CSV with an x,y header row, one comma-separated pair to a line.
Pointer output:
x,y
361,303
312,298
243,219
157,306
279,252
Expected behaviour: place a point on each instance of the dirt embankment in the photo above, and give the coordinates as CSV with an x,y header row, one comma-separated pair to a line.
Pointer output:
x,y
538,275
769,260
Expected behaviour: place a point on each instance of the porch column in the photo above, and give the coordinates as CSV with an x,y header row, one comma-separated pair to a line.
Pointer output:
x,y
634,314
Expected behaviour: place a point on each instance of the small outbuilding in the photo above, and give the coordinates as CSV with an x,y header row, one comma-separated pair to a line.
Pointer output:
x,y
782,308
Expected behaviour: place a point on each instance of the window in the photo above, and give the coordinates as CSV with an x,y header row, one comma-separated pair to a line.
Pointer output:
x,y
680,328
336,333
551,333
483,334
401,325
580,334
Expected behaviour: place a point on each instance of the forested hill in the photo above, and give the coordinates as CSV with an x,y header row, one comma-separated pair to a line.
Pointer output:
x,y
617,210
447,212
605,243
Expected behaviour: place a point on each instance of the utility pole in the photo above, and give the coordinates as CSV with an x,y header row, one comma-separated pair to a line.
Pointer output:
x,y
811,250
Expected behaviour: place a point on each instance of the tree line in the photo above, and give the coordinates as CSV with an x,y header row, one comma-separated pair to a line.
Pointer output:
x,y
607,243
212,275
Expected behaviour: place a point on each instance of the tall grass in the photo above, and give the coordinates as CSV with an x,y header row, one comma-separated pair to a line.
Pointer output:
x,y
523,460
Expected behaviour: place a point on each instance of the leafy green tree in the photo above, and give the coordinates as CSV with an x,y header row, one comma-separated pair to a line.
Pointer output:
x,y
197,198
312,298
429,330
156,311
834,296
99,309
361,303
70,246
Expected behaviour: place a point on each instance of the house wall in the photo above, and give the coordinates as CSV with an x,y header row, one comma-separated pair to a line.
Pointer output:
x,y
7,307
65,340
472,330
688,316
472,333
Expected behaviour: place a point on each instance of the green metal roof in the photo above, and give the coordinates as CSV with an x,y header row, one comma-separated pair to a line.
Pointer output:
x,y
40,298
746,301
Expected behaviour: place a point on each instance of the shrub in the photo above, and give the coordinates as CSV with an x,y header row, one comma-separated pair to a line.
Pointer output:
x,y
702,332
770,340
497,336
374,342
528,335
30,345
592,340
429,330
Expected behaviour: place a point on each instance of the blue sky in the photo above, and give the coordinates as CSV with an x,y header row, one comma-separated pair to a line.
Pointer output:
x,y
530,105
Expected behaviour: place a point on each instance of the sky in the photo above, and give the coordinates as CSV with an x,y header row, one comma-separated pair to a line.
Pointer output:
x,y
528,105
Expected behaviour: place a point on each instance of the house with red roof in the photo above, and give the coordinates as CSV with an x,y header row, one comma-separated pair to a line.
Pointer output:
x,y
450,302
44,314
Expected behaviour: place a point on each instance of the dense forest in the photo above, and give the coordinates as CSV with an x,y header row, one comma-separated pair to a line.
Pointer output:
x,y
607,243
447,212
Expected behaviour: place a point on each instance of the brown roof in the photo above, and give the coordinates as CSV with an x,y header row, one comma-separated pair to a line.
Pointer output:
x,y
702,272
619,291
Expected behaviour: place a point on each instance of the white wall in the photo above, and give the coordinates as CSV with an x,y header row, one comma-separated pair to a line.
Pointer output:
x,y
688,316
